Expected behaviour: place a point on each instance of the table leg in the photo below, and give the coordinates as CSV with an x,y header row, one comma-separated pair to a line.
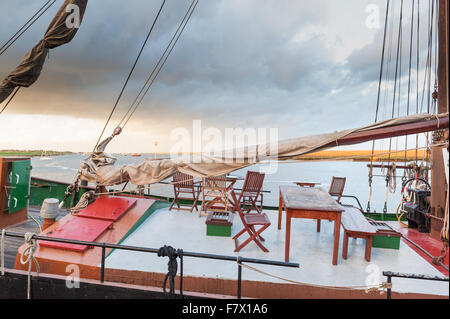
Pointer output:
x,y
280,211
337,229
345,248
369,240
288,235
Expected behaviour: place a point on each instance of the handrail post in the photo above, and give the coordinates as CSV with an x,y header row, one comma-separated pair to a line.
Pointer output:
x,y
180,255
102,269
239,288
389,289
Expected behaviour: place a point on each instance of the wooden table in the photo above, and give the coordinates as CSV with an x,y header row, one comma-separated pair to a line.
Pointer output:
x,y
312,203
306,184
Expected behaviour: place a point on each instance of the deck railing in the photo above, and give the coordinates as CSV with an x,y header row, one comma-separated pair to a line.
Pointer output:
x,y
178,253
390,274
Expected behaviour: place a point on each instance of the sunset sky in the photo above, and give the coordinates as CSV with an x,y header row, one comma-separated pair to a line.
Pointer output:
x,y
304,67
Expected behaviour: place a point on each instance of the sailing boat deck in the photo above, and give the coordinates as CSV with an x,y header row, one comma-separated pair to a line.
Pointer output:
x,y
312,250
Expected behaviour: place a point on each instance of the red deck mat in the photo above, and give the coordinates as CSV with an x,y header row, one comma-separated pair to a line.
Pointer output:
x,y
108,208
430,244
77,228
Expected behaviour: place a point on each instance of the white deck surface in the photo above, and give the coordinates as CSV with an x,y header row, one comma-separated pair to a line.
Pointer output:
x,y
312,250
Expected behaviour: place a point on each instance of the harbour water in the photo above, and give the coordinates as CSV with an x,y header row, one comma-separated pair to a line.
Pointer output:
x,y
63,168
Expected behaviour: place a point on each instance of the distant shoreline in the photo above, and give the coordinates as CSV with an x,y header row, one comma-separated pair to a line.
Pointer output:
x,y
366,155
32,153
353,155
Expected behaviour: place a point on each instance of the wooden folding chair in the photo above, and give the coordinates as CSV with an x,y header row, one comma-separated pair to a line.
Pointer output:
x,y
184,184
251,196
214,195
250,221
248,198
336,189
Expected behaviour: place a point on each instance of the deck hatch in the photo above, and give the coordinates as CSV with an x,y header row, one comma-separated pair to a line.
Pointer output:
x,y
78,228
108,208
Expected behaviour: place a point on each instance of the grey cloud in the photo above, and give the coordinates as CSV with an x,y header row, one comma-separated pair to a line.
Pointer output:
x,y
235,65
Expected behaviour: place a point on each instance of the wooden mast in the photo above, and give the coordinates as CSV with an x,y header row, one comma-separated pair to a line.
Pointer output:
x,y
443,96
438,180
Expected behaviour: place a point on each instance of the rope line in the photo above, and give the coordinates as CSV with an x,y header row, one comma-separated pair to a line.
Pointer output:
x,y
161,65
29,252
129,75
21,31
10,99
379,287
154,69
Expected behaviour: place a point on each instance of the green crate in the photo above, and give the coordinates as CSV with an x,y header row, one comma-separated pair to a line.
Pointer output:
x,y
387,242
216,230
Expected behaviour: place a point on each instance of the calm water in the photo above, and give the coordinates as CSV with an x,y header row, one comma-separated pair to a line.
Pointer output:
x,y
64,168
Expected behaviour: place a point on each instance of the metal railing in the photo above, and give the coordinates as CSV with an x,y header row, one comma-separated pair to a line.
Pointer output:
x,y
238,259
355,198
390,274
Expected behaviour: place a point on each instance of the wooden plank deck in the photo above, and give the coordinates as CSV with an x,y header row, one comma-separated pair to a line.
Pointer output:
x,y
12,244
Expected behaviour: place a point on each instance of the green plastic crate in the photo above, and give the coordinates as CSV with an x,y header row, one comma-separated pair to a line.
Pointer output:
x,y
219,224
387,242
216,230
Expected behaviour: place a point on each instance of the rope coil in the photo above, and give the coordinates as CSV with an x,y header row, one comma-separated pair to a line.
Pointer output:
x,y
29,253
173,254
82,203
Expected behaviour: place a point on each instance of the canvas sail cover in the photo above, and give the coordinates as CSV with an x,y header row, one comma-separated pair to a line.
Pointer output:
x,y
100,168
58,33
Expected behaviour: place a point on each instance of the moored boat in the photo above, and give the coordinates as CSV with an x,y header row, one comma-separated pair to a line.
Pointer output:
x,y
117,241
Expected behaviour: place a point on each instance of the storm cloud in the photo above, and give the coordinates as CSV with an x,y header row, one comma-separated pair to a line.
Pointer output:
x,y
302,66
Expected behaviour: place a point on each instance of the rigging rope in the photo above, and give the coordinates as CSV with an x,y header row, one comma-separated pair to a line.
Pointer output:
x,y
151,79
378,102
10,99
129,75
409,73
429,54
417,72
396,79
26,26
397,104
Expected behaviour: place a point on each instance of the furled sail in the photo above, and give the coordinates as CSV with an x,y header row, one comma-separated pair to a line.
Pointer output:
x,y
99,167
62,29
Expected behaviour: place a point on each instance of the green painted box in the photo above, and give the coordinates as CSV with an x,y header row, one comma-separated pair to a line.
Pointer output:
x,y
388,242
386,237
219,224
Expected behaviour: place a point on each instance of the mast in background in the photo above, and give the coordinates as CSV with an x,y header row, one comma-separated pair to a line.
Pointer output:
x,y
443,96
439,185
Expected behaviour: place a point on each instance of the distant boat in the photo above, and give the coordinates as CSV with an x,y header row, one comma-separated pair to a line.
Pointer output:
x,y
135,154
